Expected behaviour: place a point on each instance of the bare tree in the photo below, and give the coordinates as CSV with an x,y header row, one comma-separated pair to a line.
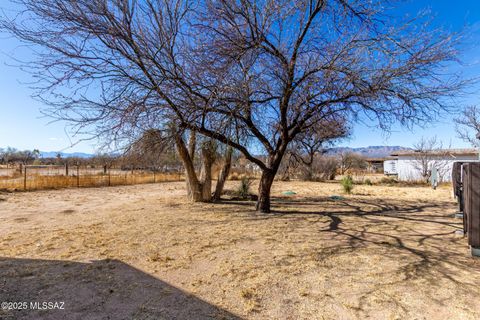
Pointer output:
x,y
308,145
325,167
429,153
153,150
264,70
352,161
24,157
468,125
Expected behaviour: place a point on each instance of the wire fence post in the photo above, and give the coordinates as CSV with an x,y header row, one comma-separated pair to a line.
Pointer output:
x,y
154,177
25,178
109,182
66,169
78,176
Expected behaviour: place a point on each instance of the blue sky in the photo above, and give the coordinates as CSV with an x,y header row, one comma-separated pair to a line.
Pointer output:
x,y
22,125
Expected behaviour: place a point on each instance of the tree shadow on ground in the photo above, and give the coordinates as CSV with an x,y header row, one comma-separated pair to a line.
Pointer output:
x,y
431,212
104,289
418,236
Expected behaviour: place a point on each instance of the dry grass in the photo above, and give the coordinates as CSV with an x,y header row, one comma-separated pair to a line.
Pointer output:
x,y
382,253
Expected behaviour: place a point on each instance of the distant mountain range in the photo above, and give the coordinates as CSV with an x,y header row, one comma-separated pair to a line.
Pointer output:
x,y
53,154
369,152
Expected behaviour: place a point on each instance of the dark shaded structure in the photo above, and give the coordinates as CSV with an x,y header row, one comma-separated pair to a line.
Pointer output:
x,y
471,198
104,289
457,183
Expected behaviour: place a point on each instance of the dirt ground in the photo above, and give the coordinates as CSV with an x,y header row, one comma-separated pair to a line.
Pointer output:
x,y
143,252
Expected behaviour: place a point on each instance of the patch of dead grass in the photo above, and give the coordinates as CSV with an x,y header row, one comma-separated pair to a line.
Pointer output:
x,y
382,252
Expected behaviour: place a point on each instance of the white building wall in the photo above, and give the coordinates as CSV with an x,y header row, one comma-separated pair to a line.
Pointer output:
x,y
390,167
407,167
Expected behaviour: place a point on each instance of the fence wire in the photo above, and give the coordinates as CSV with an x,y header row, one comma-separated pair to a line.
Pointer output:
x,y
33,177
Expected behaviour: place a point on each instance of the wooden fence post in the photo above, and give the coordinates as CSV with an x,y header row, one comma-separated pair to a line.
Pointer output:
x,y
78,176
25,178
471,193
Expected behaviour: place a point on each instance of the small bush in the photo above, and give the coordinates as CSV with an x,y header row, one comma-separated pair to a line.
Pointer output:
x,y
347,184
244,187
233,176
388,180
323,168
368,182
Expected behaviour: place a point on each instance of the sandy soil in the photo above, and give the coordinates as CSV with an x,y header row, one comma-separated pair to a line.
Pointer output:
x,y
142,252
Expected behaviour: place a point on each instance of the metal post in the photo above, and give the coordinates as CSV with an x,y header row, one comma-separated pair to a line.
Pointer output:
x,y
154,178
78,176
108,176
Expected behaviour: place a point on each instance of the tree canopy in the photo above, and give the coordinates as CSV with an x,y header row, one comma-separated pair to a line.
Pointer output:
x,y
264,70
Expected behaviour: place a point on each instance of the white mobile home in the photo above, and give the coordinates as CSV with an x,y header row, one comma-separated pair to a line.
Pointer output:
x,y
410,165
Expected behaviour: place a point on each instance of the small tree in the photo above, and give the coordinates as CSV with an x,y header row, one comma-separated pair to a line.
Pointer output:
x,y
325,167
308,146
352,161
153,150
468,125
429,153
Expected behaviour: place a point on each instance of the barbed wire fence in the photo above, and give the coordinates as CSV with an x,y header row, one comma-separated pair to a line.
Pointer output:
x,y
38,177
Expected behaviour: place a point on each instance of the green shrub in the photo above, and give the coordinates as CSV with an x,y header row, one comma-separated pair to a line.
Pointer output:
x,y
368,182
244,187
347,184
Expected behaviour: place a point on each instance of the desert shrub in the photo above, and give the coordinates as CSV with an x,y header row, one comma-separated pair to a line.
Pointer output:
x,y
352,162
368,182
235,176
388,180
358,177
347,184
413,183
322,169
244,187
327,168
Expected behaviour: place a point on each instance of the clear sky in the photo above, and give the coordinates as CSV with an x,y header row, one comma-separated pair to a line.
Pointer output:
x,y
22,125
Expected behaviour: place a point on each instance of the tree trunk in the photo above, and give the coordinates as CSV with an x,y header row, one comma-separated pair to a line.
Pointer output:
x,y
223,175
192,142
286,171
208,157
194,187
266,181
309,175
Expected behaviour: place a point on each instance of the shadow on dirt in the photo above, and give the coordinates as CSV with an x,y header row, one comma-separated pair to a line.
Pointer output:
x,y
104,289
419,235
